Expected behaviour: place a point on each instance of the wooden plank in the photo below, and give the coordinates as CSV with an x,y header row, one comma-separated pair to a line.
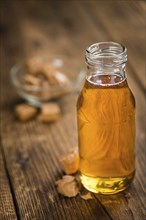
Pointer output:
x,y
7,209
33,158
7,203
33,164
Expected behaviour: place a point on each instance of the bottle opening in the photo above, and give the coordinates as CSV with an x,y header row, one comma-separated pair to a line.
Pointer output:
x,y
106,49
106,54
106,63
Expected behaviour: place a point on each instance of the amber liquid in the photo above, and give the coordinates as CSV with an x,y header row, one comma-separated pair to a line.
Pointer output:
x,y
106,133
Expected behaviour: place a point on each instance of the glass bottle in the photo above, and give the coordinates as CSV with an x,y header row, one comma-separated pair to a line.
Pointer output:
x,y
106,121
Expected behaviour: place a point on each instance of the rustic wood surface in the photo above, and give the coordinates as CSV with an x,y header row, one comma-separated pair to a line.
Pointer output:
x,y
29,152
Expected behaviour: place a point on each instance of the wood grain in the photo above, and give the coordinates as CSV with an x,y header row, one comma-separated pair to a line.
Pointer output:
x,y
32,149
7,209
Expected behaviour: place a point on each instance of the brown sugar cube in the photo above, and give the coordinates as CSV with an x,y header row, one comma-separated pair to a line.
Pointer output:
x,y
70,162
33,64
25,112
49,69
67,186
86,196
56,78
52,79
31,80
49,112
45,94
41,77
49,72
61,78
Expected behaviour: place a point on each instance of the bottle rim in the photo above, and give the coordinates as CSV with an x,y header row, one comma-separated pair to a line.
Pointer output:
x,y
106,49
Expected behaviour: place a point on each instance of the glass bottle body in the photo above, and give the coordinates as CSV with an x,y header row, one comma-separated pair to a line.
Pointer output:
x,y
106,133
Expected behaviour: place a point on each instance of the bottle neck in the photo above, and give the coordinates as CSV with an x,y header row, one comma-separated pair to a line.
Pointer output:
x,y
106,58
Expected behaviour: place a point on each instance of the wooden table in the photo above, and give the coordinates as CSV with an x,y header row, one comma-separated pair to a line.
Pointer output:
x,y
29,152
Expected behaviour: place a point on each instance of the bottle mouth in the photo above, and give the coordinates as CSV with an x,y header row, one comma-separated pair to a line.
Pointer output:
x,y
107,53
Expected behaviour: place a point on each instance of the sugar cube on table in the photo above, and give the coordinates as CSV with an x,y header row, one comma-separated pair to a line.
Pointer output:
x,y
49,112
25,112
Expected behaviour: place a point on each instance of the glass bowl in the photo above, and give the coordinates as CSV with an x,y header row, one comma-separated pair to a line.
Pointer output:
x,y
36,95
